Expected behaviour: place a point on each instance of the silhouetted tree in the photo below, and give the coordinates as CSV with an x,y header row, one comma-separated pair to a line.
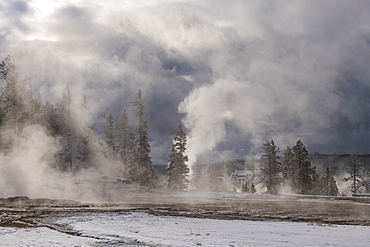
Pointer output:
x,y
304,170
289,169
354,165
328,184
253,188
177,170
146,173
271,169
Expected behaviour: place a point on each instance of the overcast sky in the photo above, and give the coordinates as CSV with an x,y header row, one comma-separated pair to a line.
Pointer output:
x,y
235,73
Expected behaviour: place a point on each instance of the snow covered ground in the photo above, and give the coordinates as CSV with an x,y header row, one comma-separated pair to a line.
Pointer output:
x,y
113,229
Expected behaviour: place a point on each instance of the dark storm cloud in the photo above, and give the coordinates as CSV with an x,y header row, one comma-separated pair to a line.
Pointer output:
x,y
241,72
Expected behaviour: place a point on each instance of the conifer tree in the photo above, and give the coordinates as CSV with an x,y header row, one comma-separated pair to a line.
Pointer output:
x,y
304,170
146,173
316,183
366,181
37,109
271,169
177,170
14,104
354,165
72,153
127,147
253,188
289,169
85,119
86,129
245,187
110,135
328,184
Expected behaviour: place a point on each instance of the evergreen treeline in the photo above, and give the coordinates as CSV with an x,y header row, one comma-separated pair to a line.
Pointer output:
x,y
126,143
294,171
79,145
130,146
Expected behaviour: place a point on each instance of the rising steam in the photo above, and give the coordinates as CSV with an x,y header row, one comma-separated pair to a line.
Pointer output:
x,y
239,73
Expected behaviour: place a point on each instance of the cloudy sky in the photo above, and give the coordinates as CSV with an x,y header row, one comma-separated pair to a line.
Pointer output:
x,y
235,73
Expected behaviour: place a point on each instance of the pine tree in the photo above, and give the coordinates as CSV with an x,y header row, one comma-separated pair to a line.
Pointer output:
x,y
14,104
289,169
110,135
85,119
177,170
86,129
253,188
72,153
354,165
316,182
127,148
271,169
146,173
304,170
366,181
50,118
245,187
37,109
328,184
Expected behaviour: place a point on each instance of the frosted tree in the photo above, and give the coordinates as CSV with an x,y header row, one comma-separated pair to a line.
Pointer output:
x,y
146,173
328,184
110,135
72,152
86,128
355,176
178,170
51,118
366,181
14,104
37,109
127,147
85,117
271,169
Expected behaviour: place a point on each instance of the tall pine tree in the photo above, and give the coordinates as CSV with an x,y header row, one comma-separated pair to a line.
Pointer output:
x,y
110,135
355,176
177,170
72,152
289,169
304,171
271,167
328,184
127,148
15,100
146,173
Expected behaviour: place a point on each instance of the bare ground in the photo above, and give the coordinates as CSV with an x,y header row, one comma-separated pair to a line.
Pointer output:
x,y
25,212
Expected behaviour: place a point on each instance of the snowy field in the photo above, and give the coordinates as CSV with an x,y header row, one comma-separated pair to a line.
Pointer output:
x,y
125,229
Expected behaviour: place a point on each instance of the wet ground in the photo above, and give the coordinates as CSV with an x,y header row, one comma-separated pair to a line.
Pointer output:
x,y
25,212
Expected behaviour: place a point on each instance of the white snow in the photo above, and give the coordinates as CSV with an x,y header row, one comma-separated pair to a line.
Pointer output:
x,y
41,236
113,228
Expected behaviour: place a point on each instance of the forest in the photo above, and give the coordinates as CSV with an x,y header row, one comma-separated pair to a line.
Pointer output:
x,y
125,144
